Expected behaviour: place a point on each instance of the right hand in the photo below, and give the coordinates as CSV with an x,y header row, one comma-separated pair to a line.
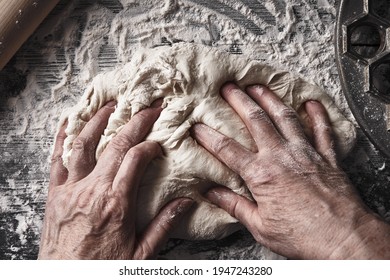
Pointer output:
x,y
304,205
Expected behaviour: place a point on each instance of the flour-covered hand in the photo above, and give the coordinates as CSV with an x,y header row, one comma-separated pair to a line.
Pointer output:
x,y
304,205
91,207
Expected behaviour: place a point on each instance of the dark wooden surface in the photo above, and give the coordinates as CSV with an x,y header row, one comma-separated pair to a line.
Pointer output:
x,y
30,99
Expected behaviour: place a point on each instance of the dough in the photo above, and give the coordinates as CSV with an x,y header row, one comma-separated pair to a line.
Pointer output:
x,y
189,78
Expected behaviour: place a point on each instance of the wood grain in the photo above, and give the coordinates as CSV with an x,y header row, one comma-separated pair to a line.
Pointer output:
x,y
18,20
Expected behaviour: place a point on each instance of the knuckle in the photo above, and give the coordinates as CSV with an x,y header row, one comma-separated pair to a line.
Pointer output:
x,y
122,142
85,197
264,175
257,115
288,113
104,206
56,158
80,144
323,127
222,144
61,136
113,208
232,208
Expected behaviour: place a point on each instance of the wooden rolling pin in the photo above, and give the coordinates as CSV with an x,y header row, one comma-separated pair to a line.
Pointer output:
x,y
18,20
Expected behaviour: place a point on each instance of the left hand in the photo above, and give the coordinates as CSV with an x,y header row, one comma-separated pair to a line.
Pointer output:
x,y
91,209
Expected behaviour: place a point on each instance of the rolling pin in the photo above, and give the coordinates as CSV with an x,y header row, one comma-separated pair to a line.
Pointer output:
x,y
18,20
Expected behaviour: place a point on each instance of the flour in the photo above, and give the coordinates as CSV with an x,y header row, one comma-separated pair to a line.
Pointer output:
x,y
84,38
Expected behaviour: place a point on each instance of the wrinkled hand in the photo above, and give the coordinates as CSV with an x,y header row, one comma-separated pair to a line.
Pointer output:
x,y
91,209
304,206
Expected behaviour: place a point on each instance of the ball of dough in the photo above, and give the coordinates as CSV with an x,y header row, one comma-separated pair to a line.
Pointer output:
x,y
189,77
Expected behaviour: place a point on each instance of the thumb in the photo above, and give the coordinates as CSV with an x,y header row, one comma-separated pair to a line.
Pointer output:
x,y
157,232
239,207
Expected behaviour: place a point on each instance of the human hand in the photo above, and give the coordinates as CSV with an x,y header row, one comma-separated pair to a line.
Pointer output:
x,y
90,210
304,206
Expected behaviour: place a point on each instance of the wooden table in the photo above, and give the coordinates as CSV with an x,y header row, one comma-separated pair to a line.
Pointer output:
x,y
32,91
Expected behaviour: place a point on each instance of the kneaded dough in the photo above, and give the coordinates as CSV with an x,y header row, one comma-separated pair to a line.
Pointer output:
x,y
189,78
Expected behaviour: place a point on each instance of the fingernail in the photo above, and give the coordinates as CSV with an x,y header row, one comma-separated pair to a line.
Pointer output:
x,y
229,87
198,126
196,130
312,102
182,207
157,103
186,203
212,195
218,193
112,103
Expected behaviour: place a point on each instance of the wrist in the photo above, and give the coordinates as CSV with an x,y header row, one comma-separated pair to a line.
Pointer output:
x,y
369,239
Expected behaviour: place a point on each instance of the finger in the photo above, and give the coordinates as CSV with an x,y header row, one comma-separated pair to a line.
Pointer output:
x,y
133,168
323,137
58,172
227,150
237,206
254,117
82,160
158,231
284,118
130,135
